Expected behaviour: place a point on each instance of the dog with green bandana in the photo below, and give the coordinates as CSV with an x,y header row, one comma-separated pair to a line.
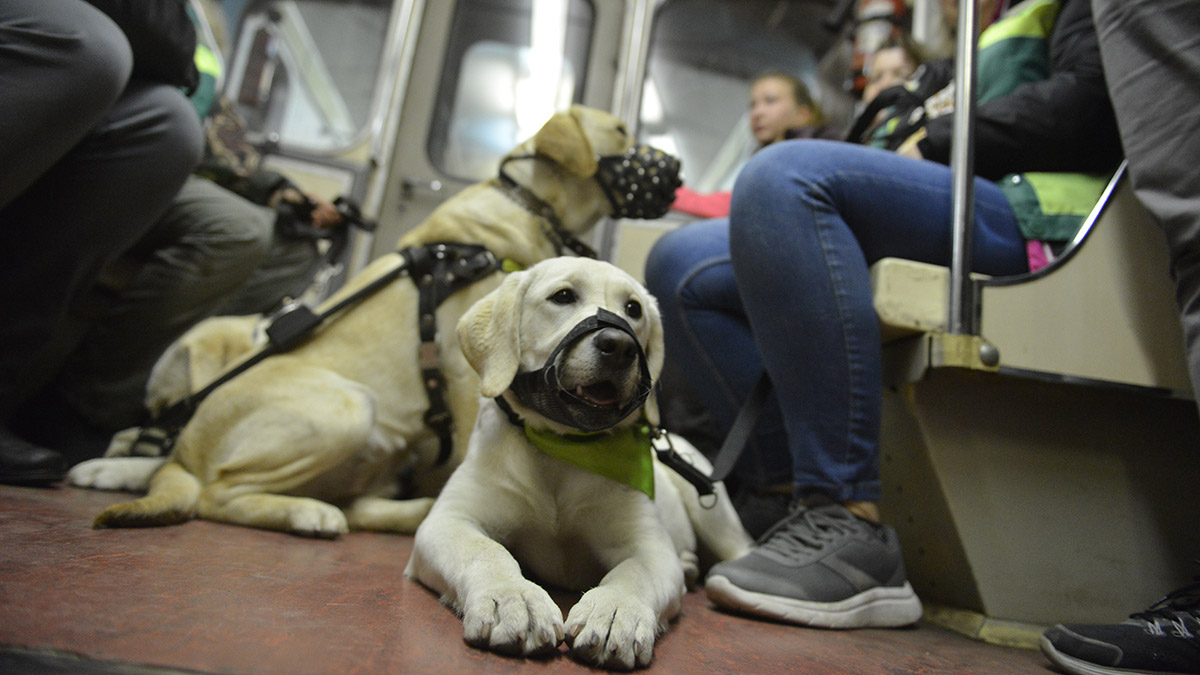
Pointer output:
x,y
560,484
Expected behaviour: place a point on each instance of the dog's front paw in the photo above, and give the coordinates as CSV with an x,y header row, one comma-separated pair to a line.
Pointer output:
x,y
518,619
122,442
131,474
609,629
312,518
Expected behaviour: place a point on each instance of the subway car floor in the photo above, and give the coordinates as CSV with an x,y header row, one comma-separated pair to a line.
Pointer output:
x,y
214,598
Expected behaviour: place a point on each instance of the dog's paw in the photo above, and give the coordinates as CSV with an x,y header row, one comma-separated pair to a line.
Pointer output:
x,y
131,474
312,518
517,619
122,442
607,628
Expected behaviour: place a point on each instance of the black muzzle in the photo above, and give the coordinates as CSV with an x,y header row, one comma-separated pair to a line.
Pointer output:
x,y
640,183
541,390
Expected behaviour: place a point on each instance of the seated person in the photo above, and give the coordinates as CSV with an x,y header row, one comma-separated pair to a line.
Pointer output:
x,y
783,287
781,107
895,61
236,239
96,141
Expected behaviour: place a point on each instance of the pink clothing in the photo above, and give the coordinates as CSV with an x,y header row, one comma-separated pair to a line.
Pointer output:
x,y
711,205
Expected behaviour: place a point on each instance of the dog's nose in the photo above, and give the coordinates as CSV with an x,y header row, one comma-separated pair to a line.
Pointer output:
x,y
616,347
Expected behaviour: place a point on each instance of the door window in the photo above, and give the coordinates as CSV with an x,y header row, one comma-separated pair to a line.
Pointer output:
x,y
704,55
509,65
305,71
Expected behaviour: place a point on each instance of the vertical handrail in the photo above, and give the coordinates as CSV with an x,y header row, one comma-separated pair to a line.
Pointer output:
x,y
962,164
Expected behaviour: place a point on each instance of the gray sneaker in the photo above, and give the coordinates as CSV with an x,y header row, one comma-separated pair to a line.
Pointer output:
x,y
820,566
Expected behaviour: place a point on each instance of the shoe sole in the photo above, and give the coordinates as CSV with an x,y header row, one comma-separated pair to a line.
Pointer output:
x,y
33,478
1075,666
879,607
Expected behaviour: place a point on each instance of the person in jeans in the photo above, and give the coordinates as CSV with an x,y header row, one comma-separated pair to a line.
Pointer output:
x,y
783,286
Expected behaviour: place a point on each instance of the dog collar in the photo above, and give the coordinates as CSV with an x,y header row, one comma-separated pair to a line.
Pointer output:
x,y
624,456
536,206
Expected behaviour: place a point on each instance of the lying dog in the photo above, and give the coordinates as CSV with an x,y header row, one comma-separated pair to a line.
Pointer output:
x,y
311,441
555,482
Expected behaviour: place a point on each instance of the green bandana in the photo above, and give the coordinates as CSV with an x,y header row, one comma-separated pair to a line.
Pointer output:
x,y
624,456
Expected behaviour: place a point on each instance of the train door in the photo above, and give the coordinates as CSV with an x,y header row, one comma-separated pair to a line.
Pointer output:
x,y
401,103
314,81
486,75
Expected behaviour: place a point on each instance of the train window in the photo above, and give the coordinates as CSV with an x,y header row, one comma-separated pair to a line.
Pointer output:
x,y
509,65
304,71
703,56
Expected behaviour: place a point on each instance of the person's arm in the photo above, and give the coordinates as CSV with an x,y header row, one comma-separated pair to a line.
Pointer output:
x,y
711,205
1063,123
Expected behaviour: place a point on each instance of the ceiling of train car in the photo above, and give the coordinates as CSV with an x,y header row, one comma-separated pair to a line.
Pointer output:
x,y
720,42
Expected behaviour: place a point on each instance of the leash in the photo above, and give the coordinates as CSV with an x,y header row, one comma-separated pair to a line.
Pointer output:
x,y
739,433
438,270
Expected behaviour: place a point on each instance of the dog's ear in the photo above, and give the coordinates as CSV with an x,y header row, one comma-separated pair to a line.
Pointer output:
x,y
489,334
655,355
562,139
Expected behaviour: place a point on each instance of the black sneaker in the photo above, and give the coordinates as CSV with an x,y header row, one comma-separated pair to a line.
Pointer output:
x,y
820,566
1162,639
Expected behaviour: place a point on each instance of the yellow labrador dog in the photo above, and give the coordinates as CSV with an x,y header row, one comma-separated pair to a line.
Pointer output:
x,y
311,441
556,484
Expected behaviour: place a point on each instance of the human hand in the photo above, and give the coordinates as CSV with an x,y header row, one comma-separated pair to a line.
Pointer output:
x,y
323,215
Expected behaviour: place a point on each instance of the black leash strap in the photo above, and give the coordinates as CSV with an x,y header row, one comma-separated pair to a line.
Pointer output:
x,y
743,425
438,270
676,462
285,332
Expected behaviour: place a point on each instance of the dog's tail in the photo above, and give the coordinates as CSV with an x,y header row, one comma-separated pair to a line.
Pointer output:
x,y
171,500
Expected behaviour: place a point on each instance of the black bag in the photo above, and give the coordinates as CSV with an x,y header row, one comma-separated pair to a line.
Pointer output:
x,y
906,106
163,38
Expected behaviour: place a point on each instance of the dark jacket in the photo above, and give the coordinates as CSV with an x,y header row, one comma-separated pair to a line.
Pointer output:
x,y
161,35
1062,123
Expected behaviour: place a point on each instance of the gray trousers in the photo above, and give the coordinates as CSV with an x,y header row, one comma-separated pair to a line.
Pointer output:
x,y
88,162
1151,54
211,253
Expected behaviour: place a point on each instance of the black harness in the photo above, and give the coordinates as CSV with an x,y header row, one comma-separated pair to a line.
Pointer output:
x,y
439,270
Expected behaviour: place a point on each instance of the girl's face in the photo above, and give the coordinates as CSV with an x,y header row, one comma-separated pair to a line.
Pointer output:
x,y
774,110
890,67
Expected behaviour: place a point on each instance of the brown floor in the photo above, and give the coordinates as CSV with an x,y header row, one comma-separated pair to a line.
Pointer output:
x,y
217,598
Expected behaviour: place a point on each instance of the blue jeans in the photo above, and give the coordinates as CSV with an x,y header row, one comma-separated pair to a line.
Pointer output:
x,y
783,285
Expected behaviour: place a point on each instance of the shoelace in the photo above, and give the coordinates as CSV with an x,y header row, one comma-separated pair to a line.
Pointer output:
x,y
1174,612
806,530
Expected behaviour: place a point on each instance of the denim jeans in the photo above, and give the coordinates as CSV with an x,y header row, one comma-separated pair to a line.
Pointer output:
x,y
783,285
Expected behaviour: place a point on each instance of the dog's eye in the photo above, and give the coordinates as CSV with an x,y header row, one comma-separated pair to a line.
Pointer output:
x,y
633,309
565,296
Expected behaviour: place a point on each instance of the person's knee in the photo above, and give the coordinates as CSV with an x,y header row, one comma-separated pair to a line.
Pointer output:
x,y
665,261
182,140
97,58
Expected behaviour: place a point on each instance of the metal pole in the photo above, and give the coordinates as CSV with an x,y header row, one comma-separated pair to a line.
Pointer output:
x,y
962,165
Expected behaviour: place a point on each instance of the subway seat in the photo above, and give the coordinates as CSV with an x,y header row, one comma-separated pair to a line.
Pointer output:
x,y
1057,484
